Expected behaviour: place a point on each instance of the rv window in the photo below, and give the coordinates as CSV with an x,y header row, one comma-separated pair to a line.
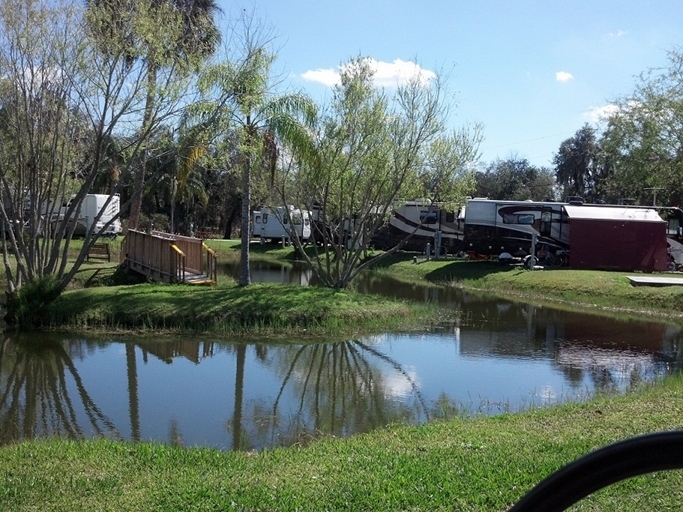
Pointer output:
x,y
285,221
428,217
510,218
450,216
265,218
257,219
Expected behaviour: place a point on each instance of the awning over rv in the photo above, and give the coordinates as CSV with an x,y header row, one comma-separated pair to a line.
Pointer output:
x,y
617,213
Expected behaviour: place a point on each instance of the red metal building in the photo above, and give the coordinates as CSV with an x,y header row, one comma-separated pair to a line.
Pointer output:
x,y
616,238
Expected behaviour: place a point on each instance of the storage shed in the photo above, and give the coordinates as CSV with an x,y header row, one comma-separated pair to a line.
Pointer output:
x,y
616,238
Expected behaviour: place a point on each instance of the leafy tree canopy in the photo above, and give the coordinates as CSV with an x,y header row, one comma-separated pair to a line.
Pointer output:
x,y
515,179
577,165
372,149
643,141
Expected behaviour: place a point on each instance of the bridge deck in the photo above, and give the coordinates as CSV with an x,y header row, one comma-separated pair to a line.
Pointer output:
x,y
169,258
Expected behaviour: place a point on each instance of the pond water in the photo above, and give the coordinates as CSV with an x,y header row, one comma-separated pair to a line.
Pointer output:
x,y
497,356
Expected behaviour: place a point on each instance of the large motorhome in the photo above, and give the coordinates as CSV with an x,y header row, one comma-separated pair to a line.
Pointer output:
x,y
425,220
273,224
493,227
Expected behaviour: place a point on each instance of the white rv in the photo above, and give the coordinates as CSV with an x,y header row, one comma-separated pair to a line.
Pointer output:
x,y
274,224
428,223
493,227
92,205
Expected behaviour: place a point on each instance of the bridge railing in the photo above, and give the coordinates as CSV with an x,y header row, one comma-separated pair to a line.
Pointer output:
x,y
199,258
211,268
191,248
167,257
153,255
178,267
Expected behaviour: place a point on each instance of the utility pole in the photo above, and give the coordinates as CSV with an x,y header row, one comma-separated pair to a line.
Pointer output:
x,y
654,193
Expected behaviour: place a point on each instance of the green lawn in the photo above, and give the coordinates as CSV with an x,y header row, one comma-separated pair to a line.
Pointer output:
x,y
263,309
480,463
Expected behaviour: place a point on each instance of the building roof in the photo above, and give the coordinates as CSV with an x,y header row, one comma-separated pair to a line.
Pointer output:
x,y
620,213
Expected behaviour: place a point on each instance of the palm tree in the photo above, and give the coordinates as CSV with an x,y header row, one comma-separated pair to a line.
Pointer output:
x,y
260,120
115,25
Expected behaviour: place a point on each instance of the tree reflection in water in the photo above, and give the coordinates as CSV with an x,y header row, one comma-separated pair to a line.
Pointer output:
x,y
242,437
238,442
35,400
341,388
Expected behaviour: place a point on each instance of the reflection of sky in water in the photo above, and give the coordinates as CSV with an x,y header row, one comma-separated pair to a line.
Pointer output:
x,y
471,379
398,386
186,389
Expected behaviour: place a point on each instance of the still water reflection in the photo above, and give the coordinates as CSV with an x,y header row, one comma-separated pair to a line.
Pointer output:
x,y
498,356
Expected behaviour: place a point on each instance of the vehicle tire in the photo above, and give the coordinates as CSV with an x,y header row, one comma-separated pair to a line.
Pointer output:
x,y
556,261
530,262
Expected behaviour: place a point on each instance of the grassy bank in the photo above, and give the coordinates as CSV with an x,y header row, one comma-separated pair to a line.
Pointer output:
x,y
592,289
263,309
482,463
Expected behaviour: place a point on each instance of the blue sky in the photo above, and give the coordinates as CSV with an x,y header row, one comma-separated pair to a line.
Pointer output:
x,y
532,72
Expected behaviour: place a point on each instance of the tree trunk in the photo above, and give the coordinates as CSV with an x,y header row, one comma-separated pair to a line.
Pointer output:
x,y
227,231
245,271
139,182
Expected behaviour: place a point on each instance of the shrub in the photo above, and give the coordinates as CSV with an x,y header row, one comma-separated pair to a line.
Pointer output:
x,y
28,306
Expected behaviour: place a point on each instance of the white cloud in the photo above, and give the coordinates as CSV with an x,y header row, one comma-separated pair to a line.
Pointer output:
x,y
600,114
563,76
328,77
387,74
618,33
391,74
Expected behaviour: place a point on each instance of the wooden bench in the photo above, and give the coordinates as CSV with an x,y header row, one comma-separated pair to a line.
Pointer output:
x,y
99,251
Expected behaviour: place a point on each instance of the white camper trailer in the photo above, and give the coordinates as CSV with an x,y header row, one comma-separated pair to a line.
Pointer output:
x,y
273,224
92,205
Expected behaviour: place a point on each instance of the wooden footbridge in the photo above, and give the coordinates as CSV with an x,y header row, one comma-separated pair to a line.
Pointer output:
x,y
169,258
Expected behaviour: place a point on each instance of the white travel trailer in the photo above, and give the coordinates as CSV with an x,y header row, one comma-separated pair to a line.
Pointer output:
x,y
92,205
274,224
